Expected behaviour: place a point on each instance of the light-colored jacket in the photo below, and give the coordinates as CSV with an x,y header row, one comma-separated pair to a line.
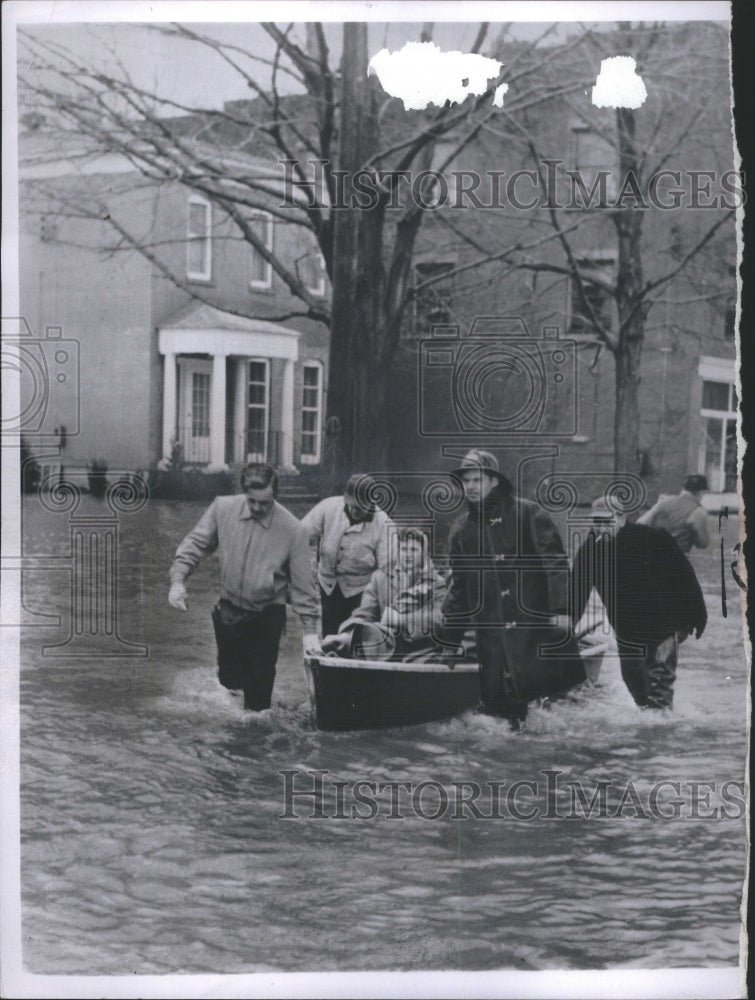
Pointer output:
x,y
261,561
683,517
418,600
348,553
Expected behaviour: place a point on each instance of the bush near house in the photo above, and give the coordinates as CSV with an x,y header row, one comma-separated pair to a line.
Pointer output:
x,y
190,484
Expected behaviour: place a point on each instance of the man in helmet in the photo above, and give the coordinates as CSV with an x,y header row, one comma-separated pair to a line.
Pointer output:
x,y
509,580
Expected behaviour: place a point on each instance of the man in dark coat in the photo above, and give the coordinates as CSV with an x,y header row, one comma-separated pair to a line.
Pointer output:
x,y
651,595
509,579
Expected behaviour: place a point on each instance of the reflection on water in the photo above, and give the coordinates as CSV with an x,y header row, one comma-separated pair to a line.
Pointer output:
x,y
152,840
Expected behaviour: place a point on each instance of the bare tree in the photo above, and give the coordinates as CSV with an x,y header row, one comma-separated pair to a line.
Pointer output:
x,y
329,124
337,122
688,252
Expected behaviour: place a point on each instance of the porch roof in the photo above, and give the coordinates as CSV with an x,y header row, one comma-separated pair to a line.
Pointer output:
x,y
202,329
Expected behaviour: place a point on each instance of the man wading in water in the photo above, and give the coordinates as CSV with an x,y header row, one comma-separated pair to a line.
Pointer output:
x,y
509,578
264,554
651,596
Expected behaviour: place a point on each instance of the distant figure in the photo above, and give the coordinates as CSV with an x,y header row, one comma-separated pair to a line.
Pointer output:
x,y
351,540
404,601
509,579
651,596
264,557
682,515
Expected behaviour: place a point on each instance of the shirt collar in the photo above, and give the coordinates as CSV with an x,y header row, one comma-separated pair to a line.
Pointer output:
x,y
354,525
246,515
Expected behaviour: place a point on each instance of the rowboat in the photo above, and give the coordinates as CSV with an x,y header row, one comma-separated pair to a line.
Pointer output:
x,y
375,694
350,693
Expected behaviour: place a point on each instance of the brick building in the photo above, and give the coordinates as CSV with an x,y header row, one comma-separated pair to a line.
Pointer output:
x,y
163,372
160,368
687,394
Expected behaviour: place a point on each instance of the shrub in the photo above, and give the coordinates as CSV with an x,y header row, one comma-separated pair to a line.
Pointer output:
x,y
188,483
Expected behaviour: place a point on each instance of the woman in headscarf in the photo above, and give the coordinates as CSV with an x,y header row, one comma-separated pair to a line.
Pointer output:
x,y
403,603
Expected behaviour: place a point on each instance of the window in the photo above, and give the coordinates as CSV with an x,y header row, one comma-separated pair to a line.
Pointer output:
x,y
257,411
199,239
200,404
261,224
717,457
591,155
592,296
312,272
432,304
311,413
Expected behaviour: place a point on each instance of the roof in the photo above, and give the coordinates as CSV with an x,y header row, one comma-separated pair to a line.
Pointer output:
x,y
200,316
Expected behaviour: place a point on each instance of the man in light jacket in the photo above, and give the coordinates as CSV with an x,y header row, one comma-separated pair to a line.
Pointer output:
x,y
683,516
264,556
349,535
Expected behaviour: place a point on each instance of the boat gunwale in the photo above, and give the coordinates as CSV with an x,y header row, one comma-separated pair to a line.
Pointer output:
x,y
392,666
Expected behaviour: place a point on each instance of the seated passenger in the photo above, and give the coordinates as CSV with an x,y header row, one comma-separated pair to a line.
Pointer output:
x,y
402,604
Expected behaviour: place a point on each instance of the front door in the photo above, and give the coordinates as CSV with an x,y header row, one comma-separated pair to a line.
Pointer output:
x,y
257,410
194,409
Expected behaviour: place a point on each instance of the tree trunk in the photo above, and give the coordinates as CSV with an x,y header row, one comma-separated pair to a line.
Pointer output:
x,y
631,309
356,401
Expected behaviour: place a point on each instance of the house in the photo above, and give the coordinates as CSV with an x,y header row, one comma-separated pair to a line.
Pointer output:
x,y
171,366
198,351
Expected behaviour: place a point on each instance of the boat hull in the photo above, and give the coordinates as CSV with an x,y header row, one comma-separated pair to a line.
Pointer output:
x,y
376,694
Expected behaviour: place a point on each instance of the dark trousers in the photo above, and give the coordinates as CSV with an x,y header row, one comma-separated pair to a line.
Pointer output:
x,y
248,643
650,678
496,687
336,609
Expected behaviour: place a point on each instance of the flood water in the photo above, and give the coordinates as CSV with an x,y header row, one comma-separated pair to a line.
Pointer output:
x,y
152,837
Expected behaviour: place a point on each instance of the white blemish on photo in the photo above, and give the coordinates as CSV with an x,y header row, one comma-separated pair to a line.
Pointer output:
x,y
619,85
420,74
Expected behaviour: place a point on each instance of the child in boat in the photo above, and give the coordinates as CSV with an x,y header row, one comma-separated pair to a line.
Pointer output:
x,y
403,604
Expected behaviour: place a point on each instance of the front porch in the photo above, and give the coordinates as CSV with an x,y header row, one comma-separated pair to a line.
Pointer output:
x,y
228,389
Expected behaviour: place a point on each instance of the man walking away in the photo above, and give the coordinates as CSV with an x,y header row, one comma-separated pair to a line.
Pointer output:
x,y
264,554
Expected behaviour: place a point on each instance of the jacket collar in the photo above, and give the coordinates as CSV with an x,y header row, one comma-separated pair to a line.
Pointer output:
x,y
495,503
246,515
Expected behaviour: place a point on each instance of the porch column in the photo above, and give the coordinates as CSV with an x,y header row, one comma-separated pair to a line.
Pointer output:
x,y
287,415
217,411
239,417
169,402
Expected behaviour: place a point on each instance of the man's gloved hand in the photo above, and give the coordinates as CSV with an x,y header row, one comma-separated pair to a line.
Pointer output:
x,y
311,644
177,596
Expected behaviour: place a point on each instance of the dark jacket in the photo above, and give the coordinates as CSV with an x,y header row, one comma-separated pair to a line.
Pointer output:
x,y
646,583
509,574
